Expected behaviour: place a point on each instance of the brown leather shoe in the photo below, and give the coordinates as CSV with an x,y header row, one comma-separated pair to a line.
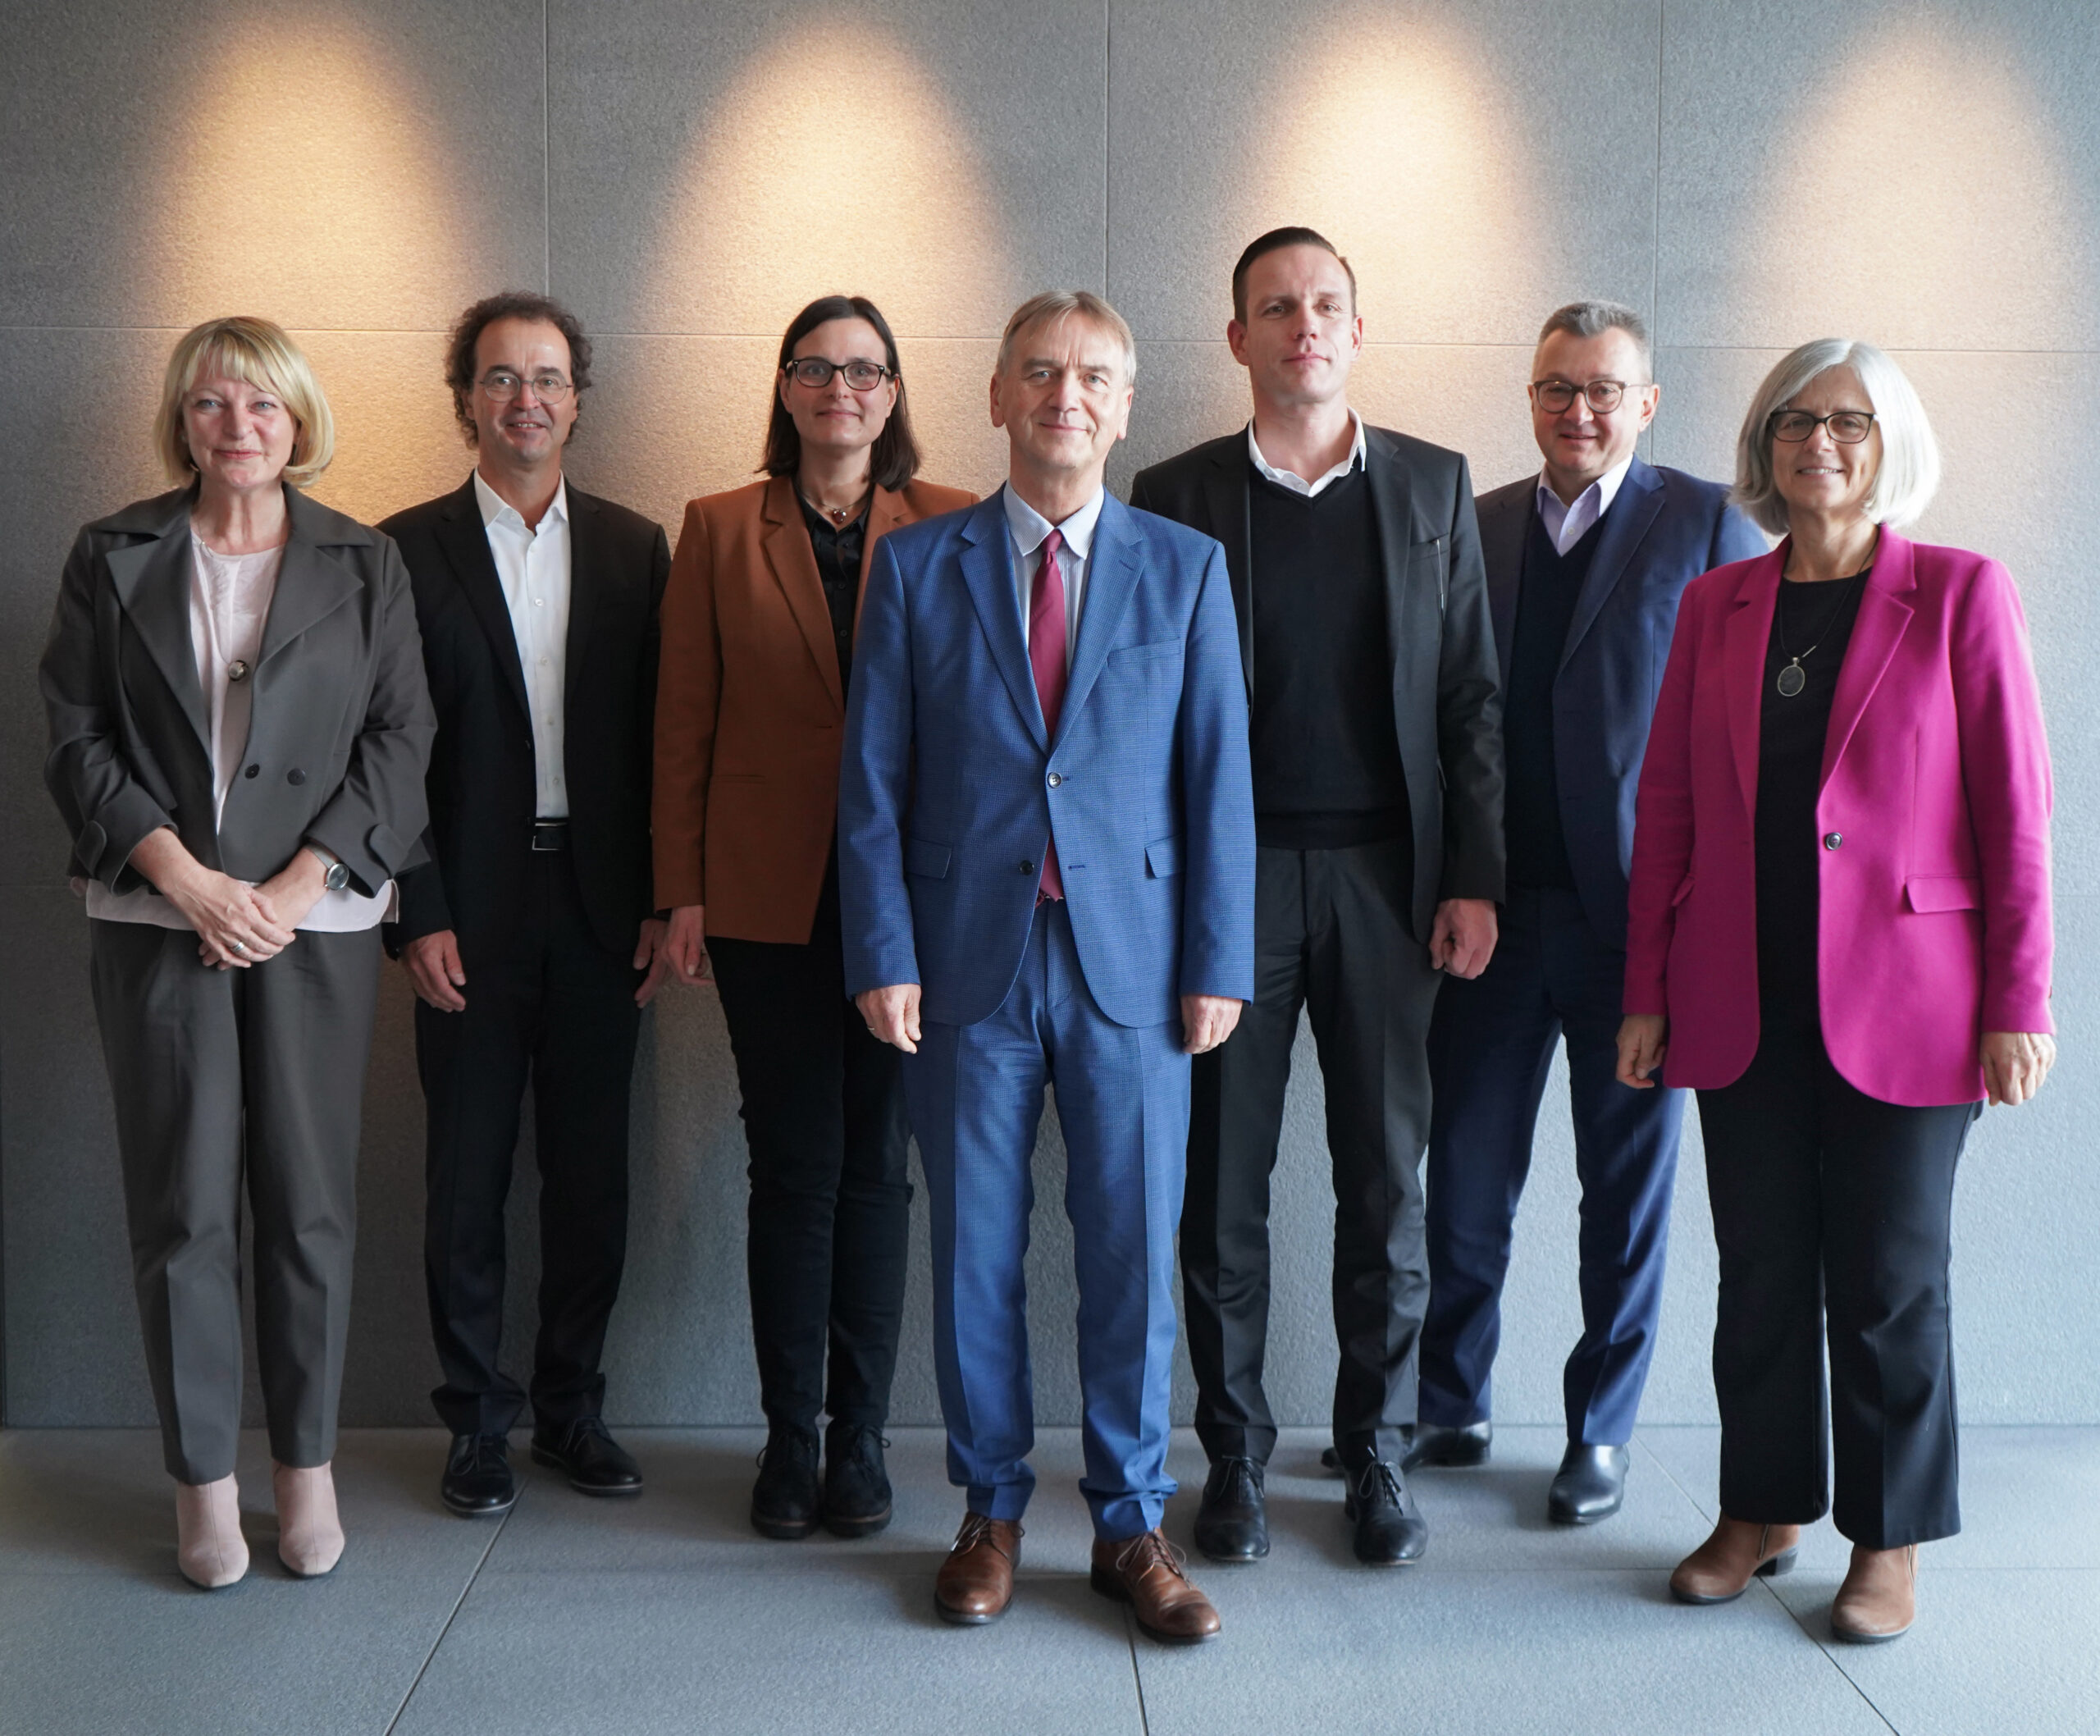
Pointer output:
x,y
1879,1600
1720,1569
976,1582
1145,1571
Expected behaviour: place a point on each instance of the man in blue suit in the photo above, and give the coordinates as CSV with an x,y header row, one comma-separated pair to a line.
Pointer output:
x,y
1585,563
1046,869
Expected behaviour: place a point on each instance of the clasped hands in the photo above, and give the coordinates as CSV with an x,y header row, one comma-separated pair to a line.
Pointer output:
x,y
237,925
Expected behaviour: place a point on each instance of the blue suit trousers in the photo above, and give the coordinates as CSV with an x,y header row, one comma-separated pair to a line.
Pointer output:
x,y
1491,1042
974,1092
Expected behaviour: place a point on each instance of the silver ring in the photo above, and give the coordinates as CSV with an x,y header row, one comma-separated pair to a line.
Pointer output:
x,y
241,945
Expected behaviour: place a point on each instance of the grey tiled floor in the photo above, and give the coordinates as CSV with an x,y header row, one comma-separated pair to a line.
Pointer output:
x,y
669,1614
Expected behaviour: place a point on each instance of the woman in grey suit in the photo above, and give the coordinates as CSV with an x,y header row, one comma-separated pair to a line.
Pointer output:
x,y
239,732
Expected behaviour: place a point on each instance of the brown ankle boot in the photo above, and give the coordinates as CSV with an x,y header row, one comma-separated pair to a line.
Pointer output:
x,y
1879,1600
1145,1571
1720,1569
976,1582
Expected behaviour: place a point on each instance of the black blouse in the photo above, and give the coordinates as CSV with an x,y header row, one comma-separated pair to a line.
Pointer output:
x,y
837,548
1792,730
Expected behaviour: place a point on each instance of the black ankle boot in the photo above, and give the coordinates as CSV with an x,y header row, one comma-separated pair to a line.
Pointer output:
x,y
856,1498
784,1498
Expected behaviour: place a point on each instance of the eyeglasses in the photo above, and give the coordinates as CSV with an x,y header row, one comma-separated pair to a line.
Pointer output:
x,y
502,386
1554,396
1847,427
815,372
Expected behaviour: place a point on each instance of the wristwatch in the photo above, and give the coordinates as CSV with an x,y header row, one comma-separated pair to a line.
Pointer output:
x,y
337,876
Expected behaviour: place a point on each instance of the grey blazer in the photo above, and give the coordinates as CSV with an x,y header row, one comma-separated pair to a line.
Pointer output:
x,y
341,725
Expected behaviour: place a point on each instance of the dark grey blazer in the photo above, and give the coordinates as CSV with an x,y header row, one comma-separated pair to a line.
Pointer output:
x,y
341,725
1447,707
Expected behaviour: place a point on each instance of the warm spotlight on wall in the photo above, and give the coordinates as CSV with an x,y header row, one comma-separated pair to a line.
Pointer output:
x,y
834,162
1915,196
298,180
1395,141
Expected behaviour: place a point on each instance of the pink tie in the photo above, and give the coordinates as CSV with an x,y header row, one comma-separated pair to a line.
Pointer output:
x,y
1046,657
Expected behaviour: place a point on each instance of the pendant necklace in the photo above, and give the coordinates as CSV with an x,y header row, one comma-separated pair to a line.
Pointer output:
x,y
1792,679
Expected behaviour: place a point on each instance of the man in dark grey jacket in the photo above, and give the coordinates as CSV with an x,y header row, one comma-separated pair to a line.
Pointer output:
x,y
1377,762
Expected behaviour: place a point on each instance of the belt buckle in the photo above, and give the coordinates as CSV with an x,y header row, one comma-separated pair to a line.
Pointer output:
x,y
550,837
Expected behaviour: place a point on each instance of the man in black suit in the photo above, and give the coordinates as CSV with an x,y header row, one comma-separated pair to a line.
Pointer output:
x,y
1375,728
529,934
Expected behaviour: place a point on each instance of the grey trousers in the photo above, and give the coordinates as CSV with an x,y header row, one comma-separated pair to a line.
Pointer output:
x,y
222,1078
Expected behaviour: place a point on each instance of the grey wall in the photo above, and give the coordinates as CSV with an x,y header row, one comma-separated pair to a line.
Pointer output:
x,y
1751,172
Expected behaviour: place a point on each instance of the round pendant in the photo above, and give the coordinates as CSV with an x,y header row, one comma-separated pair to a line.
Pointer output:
x,y
236,671
1791,680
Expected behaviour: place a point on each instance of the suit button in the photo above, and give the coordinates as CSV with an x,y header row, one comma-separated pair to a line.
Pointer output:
x,y
1831,840
294,776
1028,867
1056,778
251,771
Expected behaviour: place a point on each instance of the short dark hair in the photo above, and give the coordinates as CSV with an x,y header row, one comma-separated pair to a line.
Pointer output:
x,y
510,304
895,458
1275,241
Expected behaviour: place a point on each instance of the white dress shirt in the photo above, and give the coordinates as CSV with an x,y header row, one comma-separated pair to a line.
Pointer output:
x,y
1297,484
1026,528
533,565
1568,525
229,598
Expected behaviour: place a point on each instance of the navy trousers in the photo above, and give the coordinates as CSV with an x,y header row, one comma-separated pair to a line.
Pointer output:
x,y
974,1094
1491,1044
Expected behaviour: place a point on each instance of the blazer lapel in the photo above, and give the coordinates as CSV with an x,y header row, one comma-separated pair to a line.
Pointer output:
x,y
1392,504
466,543
1625,526
1111,581
152,580
1749,632
794,564
583,569
1882,617
311,584
988,570
1230,498
1502,534
885,513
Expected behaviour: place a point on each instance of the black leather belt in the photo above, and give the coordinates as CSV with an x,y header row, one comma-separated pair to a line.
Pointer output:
x,y
548,836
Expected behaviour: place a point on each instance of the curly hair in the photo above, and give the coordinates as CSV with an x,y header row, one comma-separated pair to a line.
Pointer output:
x,y
510,304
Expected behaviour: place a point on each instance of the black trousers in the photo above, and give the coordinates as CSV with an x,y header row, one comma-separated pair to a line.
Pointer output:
x,y
1832,1212
831,1202
550,1005
1332,936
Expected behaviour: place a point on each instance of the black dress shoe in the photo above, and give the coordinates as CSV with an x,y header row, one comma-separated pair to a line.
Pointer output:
x,y
856,1498
591,1460
477,1481
1590,1485
1232,1524
1391,1531
1435,1444
785,1502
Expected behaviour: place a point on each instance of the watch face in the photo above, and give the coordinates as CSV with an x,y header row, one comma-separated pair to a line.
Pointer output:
x,y
338,878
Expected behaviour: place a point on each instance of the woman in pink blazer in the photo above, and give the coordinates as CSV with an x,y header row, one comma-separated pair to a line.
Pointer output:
x,y
1840,935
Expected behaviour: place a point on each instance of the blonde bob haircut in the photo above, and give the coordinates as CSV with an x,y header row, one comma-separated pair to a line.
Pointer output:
x,y
1908,476
1054,305
260,353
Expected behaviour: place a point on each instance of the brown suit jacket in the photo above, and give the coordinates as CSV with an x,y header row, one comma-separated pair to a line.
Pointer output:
x,y
750,712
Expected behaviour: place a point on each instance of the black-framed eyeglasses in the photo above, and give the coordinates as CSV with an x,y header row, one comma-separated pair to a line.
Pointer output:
x,y
815,372
502,386
1847,427
1604,396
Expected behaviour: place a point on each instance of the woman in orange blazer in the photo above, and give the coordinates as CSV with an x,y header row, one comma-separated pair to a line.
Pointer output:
x,y
758,649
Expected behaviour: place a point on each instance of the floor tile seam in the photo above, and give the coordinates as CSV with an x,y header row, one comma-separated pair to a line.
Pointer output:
x,y
458,1604
1827,1647
1663,1464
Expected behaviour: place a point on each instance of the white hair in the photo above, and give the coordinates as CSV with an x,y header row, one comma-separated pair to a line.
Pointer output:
x,y
1908,476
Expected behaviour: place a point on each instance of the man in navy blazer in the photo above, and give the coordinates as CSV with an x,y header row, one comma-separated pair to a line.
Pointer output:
x,y
1047,871
1585,563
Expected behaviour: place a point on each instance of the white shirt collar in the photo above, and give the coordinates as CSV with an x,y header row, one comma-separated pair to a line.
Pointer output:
x,y
1290,479
1028,526
1571,521
495,508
